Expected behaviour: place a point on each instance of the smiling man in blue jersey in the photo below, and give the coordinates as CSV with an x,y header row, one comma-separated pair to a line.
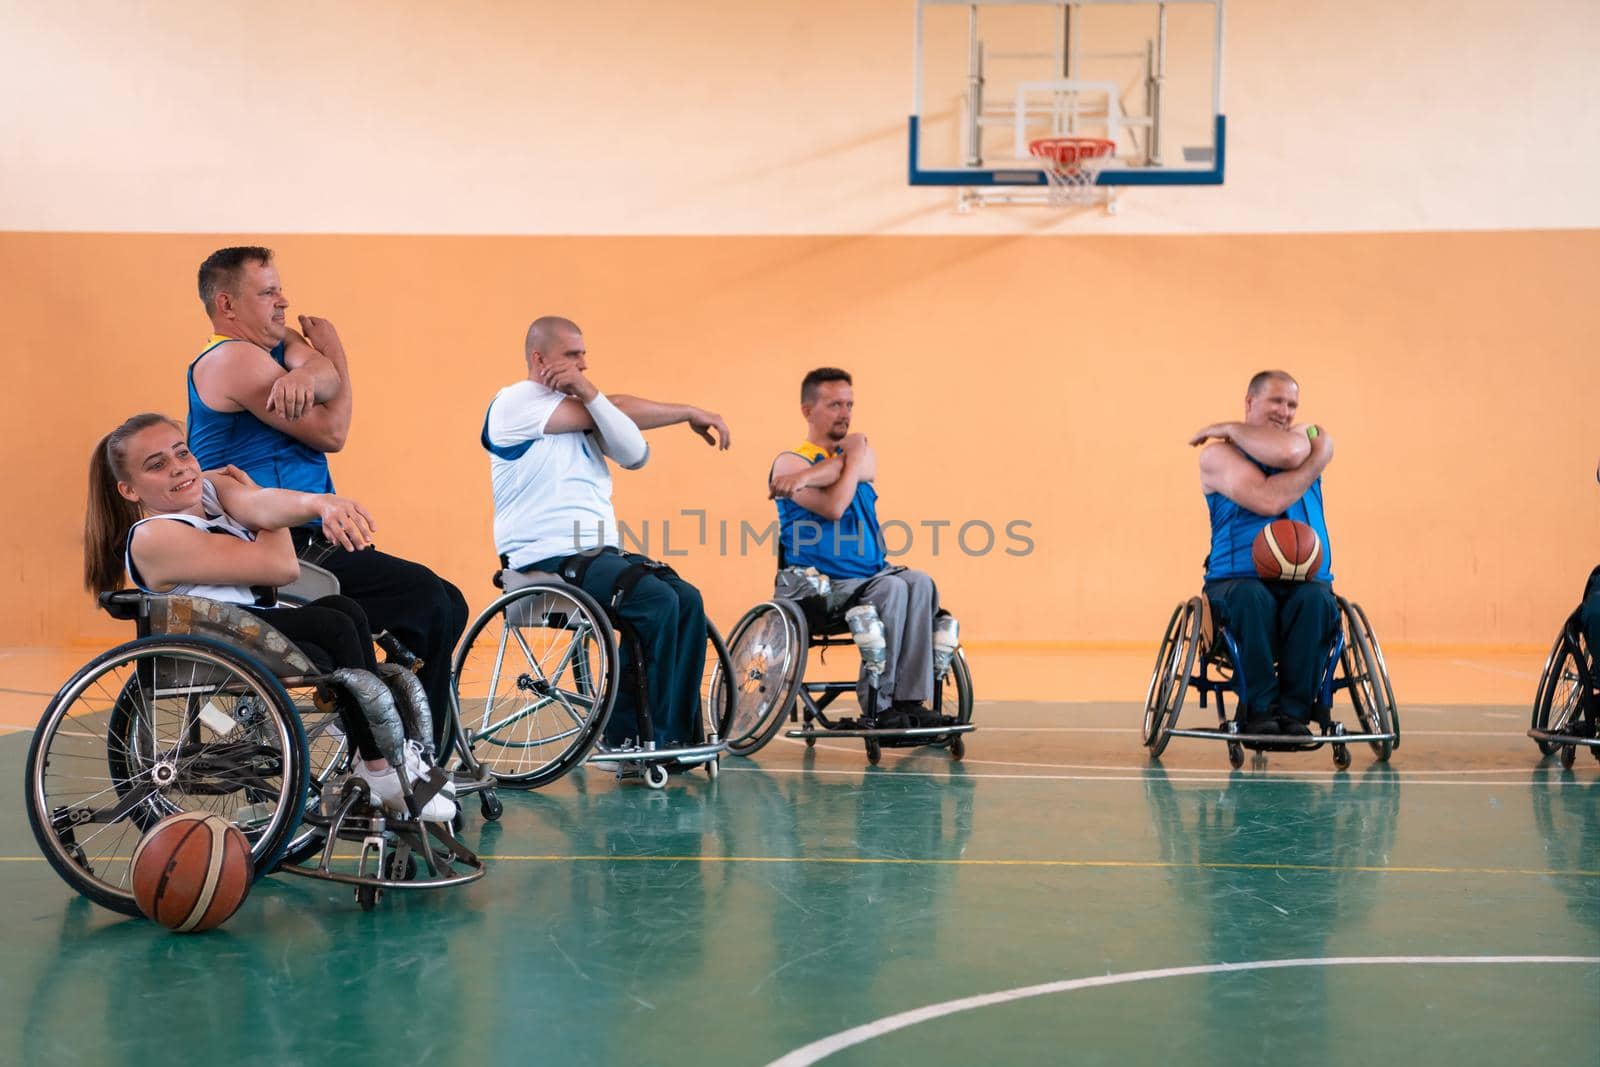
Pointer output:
x,y
274,403
1253,472
548,438
828,518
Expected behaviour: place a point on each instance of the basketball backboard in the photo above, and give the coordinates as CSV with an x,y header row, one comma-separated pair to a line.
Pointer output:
x,y
994,76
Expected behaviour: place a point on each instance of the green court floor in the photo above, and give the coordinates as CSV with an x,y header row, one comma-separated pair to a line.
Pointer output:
x,y
806,894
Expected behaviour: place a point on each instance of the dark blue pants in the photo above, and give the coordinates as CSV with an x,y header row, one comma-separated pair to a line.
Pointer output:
x,y
670,619
1284,631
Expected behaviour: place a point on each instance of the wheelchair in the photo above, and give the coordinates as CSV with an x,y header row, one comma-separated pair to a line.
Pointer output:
x,y
1197,652
1566,705
322,734
537,675
205,710
769,647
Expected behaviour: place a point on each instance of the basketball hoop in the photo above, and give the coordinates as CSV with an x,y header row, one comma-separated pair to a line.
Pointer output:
x,y
1072,166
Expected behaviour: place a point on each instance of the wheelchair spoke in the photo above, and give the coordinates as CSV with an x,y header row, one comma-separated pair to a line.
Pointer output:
x,y
525,681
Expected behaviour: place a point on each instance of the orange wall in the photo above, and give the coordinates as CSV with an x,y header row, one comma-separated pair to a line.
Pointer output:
x,y
1046,380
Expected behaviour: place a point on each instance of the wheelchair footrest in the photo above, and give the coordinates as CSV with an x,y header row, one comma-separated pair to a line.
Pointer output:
x,y
683,754
904,731
1282,741
1551,738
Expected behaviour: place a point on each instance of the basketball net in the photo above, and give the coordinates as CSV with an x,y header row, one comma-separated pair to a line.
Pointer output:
x,y
1072,167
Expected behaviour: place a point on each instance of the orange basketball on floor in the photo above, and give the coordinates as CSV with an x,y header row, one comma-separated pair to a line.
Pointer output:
x,y
191,871
1286,551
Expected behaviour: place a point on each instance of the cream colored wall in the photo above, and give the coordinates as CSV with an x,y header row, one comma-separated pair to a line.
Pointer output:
x,y
738,117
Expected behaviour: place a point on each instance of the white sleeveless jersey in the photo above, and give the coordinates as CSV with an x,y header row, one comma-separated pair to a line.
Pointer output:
x,y
216,521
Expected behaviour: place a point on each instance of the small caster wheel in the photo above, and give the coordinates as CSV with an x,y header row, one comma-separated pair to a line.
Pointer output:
x,y
397,870
1341,757
1569,756
655,775
713,767
874,751
489,804
958,747
458,821
811,742
1235,755
368,896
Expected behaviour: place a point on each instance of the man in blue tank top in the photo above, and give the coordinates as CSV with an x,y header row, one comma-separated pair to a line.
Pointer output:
x,y
1254,472
274,403
828,519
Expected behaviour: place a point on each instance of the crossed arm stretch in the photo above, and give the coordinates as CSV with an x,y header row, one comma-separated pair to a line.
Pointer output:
x,y
825,488
309,397
1225,465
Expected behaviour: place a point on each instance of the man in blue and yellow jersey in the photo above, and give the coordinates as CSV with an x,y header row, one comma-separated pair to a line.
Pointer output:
x,y
274,403
1254,472
827,511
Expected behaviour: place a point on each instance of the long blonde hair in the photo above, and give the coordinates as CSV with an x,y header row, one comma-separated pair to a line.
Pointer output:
x,y
110,515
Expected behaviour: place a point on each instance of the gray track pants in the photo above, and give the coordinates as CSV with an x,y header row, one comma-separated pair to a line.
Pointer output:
x,y
905,600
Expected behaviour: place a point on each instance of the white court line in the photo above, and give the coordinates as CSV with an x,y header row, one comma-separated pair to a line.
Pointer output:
x,y
1192,779
1134,730
1309,775
818,1050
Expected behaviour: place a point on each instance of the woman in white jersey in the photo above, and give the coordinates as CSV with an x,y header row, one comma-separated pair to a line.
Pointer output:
x,y
225,538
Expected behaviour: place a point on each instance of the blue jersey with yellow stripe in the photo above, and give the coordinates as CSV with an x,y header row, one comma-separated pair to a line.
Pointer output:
x,y
271,457
850,546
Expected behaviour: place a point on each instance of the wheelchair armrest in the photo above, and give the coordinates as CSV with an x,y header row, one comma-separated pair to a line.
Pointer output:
x,y
511,580
314,583
124,605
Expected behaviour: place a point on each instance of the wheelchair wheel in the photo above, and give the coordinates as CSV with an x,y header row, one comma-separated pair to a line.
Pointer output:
x,y
1368,689
534,682
327,757
955,693
152,728
767,663
1383,671
1169,682
716,694
1559,699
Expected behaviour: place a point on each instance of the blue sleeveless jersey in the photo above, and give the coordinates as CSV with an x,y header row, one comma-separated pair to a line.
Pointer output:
x,y
270,456
1234,529
848,547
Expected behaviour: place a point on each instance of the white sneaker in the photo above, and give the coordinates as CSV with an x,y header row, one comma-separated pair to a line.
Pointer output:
x,y
418,767
385,786
608,758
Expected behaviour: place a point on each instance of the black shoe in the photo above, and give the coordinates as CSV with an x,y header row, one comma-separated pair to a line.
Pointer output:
x,y
1260,726
912,713
895,719
1292,727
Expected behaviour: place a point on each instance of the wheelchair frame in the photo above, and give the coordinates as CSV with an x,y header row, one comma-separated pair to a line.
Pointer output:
x,y
249,669
1194,635
1567,665
467,776
591,687
796,697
